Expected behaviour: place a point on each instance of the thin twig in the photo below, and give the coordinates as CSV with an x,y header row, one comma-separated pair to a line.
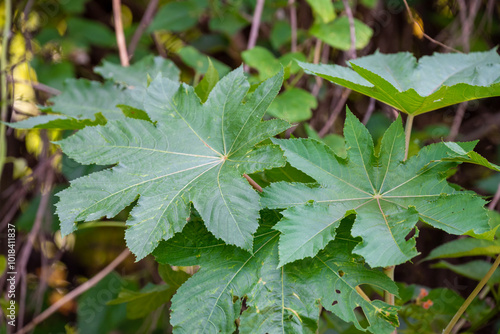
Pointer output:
x,y
36,85
317,56
159,47
471,297
369,111
293,24
424,34
28,247
145,21
27,9
75,293
457,121
466,29
336,111
254,30
495,200
120,36
254,184
352,29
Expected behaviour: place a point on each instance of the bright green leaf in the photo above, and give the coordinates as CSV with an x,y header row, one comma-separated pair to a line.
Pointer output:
x,y
199,62
323,9
208,82
337,33
388,196
281,33
262,60
177,16
415,88
195,153
293,105
284,300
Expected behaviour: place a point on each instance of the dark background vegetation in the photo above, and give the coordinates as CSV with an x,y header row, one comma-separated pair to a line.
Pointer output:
x,y
55,40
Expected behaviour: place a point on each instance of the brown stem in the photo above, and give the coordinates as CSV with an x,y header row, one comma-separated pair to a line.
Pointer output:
x,y
120,36
254,30
317,56
145,21
28,247
369,111
75,293
36,85
457,121
495,200
335,113
293,24
254,184
352,30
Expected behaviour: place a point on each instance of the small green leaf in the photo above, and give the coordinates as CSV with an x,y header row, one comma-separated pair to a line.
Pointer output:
x,y
323,9
208,82
293,105
199,62
337,33
177,16
434,82
281,33
262,60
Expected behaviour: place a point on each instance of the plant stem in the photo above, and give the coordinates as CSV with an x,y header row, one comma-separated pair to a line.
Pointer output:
x,y
409,125
3,81
120,36
75,293
471,297
254,184
389,297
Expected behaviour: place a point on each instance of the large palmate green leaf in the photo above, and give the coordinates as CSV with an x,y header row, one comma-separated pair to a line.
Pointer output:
x,y
278,300
193,153
337,33
83,102
388,196
434,82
